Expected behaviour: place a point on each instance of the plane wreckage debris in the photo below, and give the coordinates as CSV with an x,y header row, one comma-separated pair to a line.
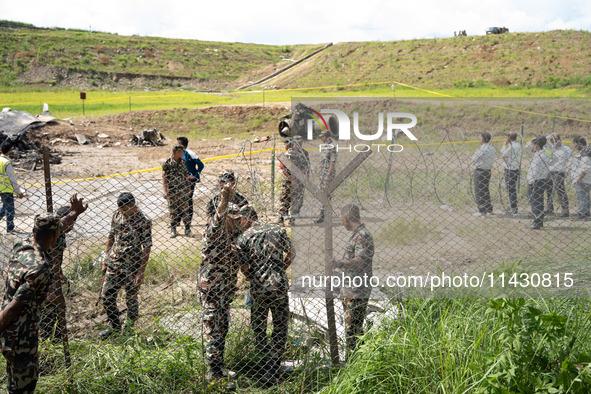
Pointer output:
x,y
14,126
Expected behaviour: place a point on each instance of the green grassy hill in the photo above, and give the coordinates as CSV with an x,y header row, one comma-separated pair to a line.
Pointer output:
x,y
81,59
548,60
30,56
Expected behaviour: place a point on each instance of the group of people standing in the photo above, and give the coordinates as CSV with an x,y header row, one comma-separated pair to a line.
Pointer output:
x,y
546,175
233,240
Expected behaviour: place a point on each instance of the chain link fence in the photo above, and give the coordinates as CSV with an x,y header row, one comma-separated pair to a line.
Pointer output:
x,y
416,201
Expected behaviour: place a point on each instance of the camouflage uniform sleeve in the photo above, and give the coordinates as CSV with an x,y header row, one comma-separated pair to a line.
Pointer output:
x,y
36,281
211,208
113,228
332,156
285,241
363,244
242,246
146,234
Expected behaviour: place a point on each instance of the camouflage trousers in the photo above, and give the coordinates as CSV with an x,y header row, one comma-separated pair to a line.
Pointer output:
x,y
292,197
215,303
22,361
115,279
278,305
178,206
297,196
52,324
285,197
354,310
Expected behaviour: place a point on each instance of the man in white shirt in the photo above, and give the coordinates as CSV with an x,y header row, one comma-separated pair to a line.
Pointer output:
x,y
581,176
537,175
560,156
511,155
482,161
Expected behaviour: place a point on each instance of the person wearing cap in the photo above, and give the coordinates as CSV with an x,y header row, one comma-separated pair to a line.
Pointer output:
x,y
216,286
328,164
537,180
357,262
225,177
194,168
27,283
581,176
126,254
511,155
561,154
8,187
177,190
482,161
53,322
266,251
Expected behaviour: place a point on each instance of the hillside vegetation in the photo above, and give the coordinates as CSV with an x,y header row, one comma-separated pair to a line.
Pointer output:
x,y
77,58
553,59
82,59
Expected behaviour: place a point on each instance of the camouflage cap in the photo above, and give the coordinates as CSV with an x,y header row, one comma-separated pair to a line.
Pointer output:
x,y
47,221
227,175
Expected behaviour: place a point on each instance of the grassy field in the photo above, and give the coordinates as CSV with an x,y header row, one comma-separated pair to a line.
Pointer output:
x,y
66,103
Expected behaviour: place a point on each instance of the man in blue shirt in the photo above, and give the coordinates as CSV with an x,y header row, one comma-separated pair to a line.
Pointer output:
x,y
194,167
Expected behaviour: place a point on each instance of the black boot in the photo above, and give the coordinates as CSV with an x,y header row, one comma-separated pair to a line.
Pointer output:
x,y
173,232
320,218
188,231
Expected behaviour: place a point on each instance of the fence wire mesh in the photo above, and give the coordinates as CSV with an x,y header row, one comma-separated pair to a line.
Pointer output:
x,y
418,208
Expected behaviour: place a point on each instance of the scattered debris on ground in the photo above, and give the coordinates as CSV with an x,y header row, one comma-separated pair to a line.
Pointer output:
x,y
149,137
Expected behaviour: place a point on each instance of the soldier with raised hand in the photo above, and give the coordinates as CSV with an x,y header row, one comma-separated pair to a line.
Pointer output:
x,y
29,277
356,262
177,190
126,256
53,319
267,252
217,281
225,177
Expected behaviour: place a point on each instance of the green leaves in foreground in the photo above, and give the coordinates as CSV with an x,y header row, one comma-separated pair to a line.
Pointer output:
x,y
484,346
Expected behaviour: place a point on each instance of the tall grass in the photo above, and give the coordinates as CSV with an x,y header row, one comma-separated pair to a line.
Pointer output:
x,y
461,346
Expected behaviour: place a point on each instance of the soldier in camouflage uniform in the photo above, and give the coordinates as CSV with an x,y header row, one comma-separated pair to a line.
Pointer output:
x,y
53,317
225,177
29,276
328,163
292,188
357,262
285,196
126,255
177,190
299,157
267,252
217,280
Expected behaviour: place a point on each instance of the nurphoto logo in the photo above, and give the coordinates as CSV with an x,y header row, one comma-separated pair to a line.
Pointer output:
x,y
393,128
